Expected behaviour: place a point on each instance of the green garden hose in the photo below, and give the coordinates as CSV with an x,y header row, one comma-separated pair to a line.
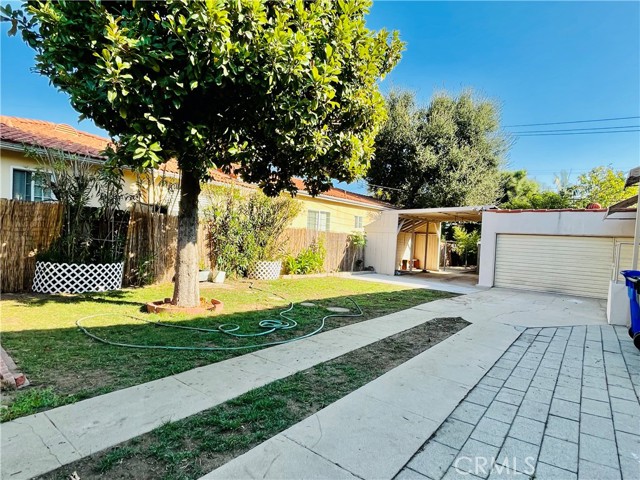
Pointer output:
x,y
270,325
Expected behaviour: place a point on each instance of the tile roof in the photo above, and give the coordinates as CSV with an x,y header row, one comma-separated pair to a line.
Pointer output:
x,y
52,135
341,194
64,137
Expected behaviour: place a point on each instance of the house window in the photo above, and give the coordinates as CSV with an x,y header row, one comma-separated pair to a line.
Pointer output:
x,y
358,221
28,186
318,220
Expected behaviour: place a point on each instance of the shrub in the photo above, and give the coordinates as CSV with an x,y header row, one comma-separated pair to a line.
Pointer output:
x,y
309,260
89,235
245,229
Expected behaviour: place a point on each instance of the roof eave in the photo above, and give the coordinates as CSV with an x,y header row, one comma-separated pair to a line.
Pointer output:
x,y
345,201
20,147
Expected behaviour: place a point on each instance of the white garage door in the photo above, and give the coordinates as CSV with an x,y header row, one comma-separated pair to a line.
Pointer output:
x,y
561,264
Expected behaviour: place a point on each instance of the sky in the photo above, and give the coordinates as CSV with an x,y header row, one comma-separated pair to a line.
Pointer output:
x,y
541,62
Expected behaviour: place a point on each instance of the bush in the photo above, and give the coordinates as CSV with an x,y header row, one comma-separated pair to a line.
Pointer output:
x,y
243,230
89,235
309,260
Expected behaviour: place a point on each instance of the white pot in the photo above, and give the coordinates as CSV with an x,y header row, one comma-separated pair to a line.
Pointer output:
x,y
219,277
53,277
203,275
263,270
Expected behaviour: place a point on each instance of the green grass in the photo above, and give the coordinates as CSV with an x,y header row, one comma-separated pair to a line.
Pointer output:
x,y
189,448
39,332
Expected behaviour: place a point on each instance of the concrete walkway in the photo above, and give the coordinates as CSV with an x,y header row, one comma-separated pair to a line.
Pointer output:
x,y
462,284
374,431
40,443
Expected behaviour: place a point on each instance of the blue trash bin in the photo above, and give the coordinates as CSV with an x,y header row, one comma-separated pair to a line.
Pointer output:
x,y
632,281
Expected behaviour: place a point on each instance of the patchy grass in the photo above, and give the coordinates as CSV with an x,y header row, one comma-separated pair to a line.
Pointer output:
x,y
196,445
64,365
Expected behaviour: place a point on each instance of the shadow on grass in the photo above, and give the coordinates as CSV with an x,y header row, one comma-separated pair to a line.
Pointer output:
x,y
42,299
71,363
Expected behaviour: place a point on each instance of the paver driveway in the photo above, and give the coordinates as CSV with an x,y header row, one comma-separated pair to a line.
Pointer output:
x,y
561,403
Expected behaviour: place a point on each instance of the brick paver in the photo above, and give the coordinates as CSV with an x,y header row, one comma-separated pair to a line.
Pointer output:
x,y
561,403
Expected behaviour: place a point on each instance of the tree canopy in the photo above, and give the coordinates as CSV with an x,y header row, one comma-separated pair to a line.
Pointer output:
x,y
601,185
270,90
445,154
276,89
521,192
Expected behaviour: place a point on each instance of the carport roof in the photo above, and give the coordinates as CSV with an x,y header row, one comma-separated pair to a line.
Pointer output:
x,y
446,214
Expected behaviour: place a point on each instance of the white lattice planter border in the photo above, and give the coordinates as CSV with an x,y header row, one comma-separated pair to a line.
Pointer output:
x,y
77,277
266,270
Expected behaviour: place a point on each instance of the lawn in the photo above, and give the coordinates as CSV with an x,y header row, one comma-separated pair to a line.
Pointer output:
x,y
64,365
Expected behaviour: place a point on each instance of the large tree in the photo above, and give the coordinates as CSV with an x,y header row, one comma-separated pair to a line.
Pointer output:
x,y
444,155
602,185
269,89
521,192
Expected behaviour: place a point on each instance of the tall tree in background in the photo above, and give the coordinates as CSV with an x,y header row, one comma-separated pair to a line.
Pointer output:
x,y
602,185
271,89
447,154
521,192
517,189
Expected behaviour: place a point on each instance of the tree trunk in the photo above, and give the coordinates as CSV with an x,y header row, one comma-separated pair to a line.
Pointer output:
x,y
186,292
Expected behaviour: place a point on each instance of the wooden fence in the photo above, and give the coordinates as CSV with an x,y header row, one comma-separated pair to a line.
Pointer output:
x,y
26,228
150,251
341,256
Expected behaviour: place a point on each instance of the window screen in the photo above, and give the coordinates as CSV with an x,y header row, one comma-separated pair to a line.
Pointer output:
x,y
318,220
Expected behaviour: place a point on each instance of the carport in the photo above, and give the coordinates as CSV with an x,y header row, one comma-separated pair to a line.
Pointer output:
x,y
398,237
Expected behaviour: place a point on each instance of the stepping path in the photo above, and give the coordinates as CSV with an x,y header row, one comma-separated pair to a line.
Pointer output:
x,y
39,443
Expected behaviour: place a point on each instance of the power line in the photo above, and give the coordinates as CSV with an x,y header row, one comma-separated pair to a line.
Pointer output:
x,y
571,133
576,129
387,188
574,121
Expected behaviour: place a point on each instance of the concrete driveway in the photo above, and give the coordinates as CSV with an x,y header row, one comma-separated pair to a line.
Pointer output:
x,y
538,387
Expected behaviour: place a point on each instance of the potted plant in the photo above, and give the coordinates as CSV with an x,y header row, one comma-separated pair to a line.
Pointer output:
x,y
89,254
204,273
266,246
246,232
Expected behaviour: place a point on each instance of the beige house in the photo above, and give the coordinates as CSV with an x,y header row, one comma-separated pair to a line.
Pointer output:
x,y
336,210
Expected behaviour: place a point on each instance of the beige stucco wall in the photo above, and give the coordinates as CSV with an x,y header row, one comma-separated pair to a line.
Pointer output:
x,y
565,223
342,215
10,159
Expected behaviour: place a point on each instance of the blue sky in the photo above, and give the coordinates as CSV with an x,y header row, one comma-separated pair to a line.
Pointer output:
x,y
541,61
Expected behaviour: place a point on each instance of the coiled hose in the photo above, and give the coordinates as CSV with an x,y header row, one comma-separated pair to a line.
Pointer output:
x,y
270,325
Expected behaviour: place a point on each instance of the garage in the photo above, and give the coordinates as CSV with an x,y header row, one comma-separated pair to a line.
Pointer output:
x,y
573,252
562,264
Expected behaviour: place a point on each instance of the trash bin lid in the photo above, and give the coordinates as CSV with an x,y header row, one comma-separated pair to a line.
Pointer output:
x,y
629,274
